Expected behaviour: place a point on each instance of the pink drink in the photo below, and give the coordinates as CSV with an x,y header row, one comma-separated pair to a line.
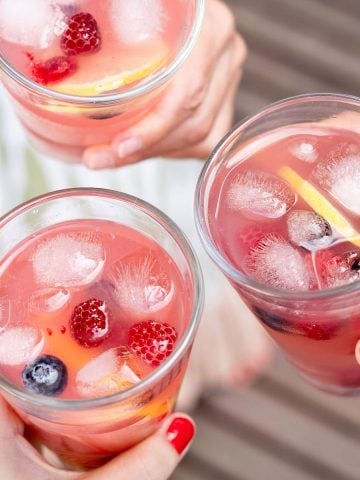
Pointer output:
x,y
90,309
91,66
283,212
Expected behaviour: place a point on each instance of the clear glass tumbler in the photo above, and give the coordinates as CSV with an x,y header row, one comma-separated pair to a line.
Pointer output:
x,y
87,432
317,328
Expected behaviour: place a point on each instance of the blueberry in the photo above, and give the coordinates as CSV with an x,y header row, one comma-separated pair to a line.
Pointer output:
x,y
274,322
47,375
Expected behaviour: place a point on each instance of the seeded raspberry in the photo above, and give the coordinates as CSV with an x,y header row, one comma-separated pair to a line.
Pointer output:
x,y
81,36
53,70
152,341
89,323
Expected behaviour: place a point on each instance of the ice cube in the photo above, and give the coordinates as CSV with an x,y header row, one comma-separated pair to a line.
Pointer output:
x,y
141,284
339,174
109,373
68,260
137,21
308,229
18,345
304,149
261,194
48,300
336,268
29,23
275,262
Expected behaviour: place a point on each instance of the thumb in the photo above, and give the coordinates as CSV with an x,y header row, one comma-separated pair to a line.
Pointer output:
x,y
156,457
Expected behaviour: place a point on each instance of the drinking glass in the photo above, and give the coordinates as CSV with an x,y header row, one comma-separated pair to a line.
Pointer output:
x,y
63,125
317,329
87,432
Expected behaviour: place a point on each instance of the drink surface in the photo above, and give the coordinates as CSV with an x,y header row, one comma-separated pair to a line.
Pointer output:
x,y
287,208
87,47
88,308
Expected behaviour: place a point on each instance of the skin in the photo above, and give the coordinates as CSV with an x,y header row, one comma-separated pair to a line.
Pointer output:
x,y
153,459
197,108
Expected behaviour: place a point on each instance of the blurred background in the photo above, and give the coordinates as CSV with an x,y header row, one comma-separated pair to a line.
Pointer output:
x,y
279,428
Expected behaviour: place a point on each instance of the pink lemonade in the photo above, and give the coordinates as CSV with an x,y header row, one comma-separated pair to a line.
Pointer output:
x,y
285,212
90,308
88,49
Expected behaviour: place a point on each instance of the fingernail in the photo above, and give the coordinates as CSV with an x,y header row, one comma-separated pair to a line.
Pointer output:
x,y
180,433
129,147
96,159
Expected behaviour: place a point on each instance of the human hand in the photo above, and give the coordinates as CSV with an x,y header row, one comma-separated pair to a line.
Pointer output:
x,y
197,108
153,459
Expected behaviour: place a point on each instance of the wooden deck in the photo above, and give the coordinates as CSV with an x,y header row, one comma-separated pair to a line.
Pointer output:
x,y
280,428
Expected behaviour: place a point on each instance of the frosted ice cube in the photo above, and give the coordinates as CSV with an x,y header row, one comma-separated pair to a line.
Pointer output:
x,y
110,372
340,175
49,300
137,20
30,23
68,260
338,267
18,345
275,262
141,284
308,229
304,149
260,193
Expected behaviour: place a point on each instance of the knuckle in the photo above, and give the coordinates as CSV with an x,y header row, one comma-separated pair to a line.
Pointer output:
x,y
195,99
225,18
241,49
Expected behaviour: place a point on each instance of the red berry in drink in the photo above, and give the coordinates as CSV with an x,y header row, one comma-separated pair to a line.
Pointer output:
x,y
89,323
152,341
81,36
53,70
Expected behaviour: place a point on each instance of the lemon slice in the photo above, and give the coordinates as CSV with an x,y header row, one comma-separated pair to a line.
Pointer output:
x,y
320,204
111,82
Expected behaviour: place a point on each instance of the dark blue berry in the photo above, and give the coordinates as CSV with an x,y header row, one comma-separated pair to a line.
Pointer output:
x,y
274,322
47,375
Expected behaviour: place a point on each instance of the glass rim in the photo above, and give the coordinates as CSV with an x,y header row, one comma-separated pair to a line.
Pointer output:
x,y
196,309
117,97
201,216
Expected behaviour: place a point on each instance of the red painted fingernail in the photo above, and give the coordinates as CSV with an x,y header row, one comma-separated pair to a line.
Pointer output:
x,y
180,433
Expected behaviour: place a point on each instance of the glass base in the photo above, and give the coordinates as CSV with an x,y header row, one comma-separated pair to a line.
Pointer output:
x,y
338,390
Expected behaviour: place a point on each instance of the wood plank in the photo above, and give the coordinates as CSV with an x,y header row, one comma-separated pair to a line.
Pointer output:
x,y
330,63
293,429
237,456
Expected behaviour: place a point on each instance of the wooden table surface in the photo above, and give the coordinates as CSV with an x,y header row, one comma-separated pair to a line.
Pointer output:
x,y
280,428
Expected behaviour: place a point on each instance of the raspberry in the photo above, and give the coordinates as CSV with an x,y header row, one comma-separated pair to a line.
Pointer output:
x,y
46,375
318,331
81,36
89,323
152,341
53,70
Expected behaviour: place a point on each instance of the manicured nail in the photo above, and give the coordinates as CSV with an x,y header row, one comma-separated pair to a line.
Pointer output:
x,y
180,433
96,159
129,146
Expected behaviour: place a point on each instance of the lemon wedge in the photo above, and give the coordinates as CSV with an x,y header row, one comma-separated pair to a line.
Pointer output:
x,y
110,82
320,204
